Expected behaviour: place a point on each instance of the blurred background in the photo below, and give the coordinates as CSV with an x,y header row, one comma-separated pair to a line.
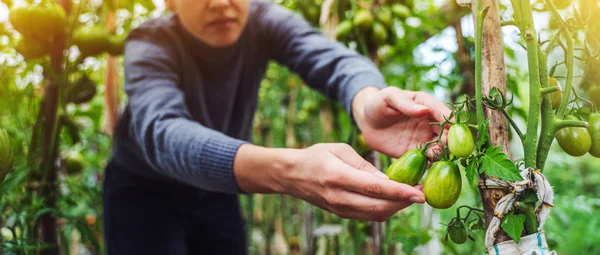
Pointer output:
x,y
427,46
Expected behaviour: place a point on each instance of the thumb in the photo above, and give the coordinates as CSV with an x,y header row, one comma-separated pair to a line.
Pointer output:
x,y
350,157
405,104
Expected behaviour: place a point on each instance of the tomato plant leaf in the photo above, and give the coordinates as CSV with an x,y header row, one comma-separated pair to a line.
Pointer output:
x,y
495,163
513,225
483,135
471,171
529,196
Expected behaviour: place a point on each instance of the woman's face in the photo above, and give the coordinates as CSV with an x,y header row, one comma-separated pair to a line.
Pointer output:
x,y
217,23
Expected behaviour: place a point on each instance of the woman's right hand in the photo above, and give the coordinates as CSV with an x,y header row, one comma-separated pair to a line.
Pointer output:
x,y
337,179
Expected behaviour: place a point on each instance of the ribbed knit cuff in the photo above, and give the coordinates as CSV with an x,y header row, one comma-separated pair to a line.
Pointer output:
x,y
216,160
358,82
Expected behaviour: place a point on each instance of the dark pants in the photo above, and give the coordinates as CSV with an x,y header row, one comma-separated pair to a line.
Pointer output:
x,y
143,216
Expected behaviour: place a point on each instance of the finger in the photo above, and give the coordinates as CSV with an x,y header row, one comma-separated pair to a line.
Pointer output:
x,y
350,157
357,206
403,103
350,179
438,109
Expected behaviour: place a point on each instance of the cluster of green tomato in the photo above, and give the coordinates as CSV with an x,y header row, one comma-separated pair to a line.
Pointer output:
x,y
40,24
578,141
376,24
443,183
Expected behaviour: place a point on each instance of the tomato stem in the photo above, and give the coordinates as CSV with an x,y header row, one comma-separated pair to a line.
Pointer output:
x,y
547,116
569,57
560,124
547,91
513,124
529,34
478,65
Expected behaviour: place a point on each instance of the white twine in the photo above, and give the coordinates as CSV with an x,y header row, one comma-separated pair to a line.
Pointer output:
x,y
532,179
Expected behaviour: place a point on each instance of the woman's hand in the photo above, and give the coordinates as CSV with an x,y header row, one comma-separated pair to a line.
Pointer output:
x,y
394,121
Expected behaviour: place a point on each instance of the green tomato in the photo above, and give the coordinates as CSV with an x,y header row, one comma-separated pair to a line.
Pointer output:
x,y
74,162
460,140
343,30
363,19
362,145
92,40
442,185
575,141
379,34
594,94
555,97
458,233
31,48
594,130
401,11
409,168
385,16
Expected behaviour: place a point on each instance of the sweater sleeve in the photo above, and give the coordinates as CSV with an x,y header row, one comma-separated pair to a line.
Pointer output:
x,y
323,64
172,143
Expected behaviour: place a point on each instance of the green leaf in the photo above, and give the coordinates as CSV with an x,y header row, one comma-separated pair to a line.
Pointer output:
x,y
513,225
471,171
495,163
529,196
483,135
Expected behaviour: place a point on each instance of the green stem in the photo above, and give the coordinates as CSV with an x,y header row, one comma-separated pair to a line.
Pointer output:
x,y
569,58
508,23
478,64
513,124
545,90
547,118
529,34
553,42
560,124
531,224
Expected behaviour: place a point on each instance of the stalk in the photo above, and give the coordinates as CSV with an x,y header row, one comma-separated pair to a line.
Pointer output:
x,y
548,132
529,34
569,58
478,67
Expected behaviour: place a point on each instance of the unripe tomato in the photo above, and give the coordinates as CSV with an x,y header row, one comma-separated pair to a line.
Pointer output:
x,y
401,11
343,30
379,34
363,19
555,97
31,48
362,145
594,94
385,16
117,44
460,140
458,233
92,40
74,162
83,91
409,168
575,141
42,22
6,154
442,185
594,130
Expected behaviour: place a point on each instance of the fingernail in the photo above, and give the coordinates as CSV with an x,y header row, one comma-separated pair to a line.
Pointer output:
x,y
381,175
420,108
416,199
